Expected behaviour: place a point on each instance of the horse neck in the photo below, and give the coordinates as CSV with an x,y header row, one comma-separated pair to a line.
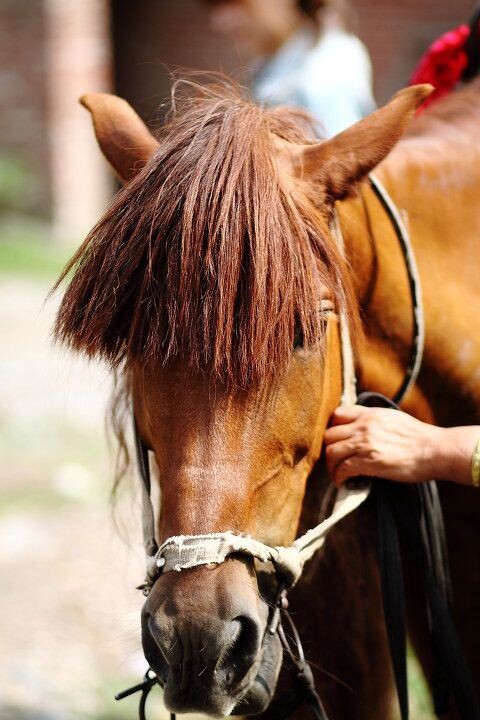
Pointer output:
x,y
434,182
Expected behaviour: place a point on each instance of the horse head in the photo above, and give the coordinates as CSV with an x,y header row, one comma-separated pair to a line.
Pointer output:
x,y
214,283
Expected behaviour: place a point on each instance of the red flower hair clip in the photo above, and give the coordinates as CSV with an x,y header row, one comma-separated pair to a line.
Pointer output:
x,y
444,63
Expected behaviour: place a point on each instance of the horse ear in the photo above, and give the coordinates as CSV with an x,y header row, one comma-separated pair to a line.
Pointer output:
x,y
345,159
123,137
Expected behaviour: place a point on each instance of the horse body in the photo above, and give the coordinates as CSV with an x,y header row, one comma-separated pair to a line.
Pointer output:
x,y
243,457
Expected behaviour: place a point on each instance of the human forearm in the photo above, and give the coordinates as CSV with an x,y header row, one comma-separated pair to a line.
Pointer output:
x,y
451,453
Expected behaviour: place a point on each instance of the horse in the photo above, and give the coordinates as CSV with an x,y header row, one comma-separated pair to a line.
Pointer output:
x,y
213,286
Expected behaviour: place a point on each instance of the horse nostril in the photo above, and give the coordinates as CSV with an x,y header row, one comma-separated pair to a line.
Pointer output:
x,y
247,640
160,646
243,644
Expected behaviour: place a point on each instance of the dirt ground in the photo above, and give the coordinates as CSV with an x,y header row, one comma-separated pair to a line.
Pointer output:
x,y
69,629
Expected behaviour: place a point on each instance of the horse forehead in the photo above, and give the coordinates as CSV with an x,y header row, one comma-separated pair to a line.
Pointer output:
x,y
178,403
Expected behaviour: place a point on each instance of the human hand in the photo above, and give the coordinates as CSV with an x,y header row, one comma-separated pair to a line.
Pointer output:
x,y
383,443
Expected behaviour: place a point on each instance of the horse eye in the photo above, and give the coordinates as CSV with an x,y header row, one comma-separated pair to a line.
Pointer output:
x,y
298,337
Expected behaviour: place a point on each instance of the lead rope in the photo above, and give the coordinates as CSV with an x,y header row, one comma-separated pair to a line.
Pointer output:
x,y
416,509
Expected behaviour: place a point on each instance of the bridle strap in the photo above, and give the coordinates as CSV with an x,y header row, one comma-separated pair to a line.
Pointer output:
x,y
349,376
148,515
418,318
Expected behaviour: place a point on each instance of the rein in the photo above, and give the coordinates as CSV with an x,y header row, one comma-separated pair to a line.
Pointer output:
x,y
181,552
418,319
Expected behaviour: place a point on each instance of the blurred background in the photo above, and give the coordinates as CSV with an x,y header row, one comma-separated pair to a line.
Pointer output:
x,y
69,614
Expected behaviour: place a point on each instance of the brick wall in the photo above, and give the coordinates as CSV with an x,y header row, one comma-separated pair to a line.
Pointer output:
x,y
79,61
153,35
24,152
398,32
52,51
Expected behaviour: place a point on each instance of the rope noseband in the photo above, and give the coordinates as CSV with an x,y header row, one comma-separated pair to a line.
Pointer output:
x,y
182,552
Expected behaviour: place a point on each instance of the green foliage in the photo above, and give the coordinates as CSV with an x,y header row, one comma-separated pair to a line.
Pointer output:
x,y
15,180
26,249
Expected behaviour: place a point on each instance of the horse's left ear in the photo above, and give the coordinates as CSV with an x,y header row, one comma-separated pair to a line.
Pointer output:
x,y
122,135
339,163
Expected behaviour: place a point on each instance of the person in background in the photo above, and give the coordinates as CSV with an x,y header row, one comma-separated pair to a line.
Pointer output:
x,y
302,54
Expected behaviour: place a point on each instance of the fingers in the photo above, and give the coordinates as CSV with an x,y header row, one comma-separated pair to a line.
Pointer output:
x,y
338,432
347,414
346,442
343,423
348,468
337,453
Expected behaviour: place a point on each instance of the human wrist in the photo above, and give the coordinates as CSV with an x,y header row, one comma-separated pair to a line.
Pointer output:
x,y
437,454
453,454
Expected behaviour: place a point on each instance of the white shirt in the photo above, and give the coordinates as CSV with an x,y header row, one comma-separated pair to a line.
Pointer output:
x,y
330,76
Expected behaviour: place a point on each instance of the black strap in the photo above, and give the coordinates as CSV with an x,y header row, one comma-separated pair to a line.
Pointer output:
x,y
418,323
304,691
417,510
393,594
149,680
142,457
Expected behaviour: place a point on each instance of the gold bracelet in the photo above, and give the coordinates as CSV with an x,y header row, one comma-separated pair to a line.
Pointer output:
x,y
475,467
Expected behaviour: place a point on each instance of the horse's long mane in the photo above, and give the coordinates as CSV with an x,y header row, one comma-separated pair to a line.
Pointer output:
x,y
211,254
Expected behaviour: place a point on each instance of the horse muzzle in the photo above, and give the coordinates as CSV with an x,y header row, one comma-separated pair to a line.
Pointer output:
x,y
203,634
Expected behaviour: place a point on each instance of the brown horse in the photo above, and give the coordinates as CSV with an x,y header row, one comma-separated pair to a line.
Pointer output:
x,y
202,285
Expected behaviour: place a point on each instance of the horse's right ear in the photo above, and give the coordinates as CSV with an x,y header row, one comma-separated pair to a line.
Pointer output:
x,y
122,135
336,165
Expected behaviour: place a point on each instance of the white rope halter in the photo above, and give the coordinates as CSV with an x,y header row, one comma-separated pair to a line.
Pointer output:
x,y
188,551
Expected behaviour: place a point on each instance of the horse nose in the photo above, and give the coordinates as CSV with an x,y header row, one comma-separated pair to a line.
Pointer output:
x,y
226,649
204,660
